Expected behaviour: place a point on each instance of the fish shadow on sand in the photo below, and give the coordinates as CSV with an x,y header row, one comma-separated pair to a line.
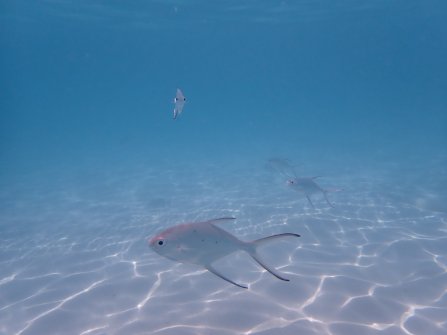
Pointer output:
x,y
305,185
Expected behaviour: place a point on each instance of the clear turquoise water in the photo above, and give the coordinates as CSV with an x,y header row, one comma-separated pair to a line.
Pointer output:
x,y
92,164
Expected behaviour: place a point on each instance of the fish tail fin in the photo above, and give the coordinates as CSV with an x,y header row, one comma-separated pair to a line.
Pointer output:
x,y
262,241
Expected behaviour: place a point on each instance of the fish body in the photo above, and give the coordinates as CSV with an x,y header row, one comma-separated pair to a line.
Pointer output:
x,y
305,185
308,187
179,102
203,243
195,243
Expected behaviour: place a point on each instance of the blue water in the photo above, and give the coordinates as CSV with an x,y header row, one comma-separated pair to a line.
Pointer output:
x,y
92,164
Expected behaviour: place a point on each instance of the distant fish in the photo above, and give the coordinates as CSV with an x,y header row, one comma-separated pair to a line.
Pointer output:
x,y
308,186
282,166
203,243
179,102
286,169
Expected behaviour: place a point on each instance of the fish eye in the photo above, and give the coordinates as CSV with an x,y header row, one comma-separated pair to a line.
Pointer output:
x,y
161,242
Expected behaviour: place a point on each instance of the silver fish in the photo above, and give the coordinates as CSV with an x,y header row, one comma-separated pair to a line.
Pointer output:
x,y
179,102
308,186
203,243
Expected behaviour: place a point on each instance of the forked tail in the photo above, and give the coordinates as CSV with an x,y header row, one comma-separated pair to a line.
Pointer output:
x,y
262,241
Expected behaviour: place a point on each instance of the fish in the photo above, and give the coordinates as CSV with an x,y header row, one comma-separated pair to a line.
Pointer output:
x,y
305,185
179,102
203,243
308,186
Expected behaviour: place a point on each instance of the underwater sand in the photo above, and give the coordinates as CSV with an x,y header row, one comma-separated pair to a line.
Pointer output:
x,y
74,257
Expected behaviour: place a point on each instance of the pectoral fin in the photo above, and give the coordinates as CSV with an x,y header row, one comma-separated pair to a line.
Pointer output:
x,y
211,269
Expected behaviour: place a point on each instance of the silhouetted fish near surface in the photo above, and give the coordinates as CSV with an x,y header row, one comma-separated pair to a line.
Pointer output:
x,y
308,186
203,243
179,102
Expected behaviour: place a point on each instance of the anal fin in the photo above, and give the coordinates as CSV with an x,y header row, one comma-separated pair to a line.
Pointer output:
x,y
327,200
213,270
310,201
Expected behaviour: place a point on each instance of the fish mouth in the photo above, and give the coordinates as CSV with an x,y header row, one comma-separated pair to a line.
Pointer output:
x,y
151,241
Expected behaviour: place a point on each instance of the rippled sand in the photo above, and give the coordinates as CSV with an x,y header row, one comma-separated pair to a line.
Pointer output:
x,y
74,258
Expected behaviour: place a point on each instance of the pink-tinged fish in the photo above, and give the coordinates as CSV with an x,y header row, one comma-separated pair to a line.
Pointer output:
x,y
203,243
179,102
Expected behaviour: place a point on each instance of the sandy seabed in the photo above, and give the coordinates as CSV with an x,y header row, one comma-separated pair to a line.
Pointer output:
x,y
74,257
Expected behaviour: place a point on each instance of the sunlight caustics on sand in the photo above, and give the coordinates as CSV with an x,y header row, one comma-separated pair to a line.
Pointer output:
x,y
367,266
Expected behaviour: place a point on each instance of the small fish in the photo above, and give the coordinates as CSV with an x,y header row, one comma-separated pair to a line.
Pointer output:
x,y
308,186
203,243
179,102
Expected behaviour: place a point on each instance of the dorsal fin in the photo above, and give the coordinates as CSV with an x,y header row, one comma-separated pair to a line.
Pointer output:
x,y
221,220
